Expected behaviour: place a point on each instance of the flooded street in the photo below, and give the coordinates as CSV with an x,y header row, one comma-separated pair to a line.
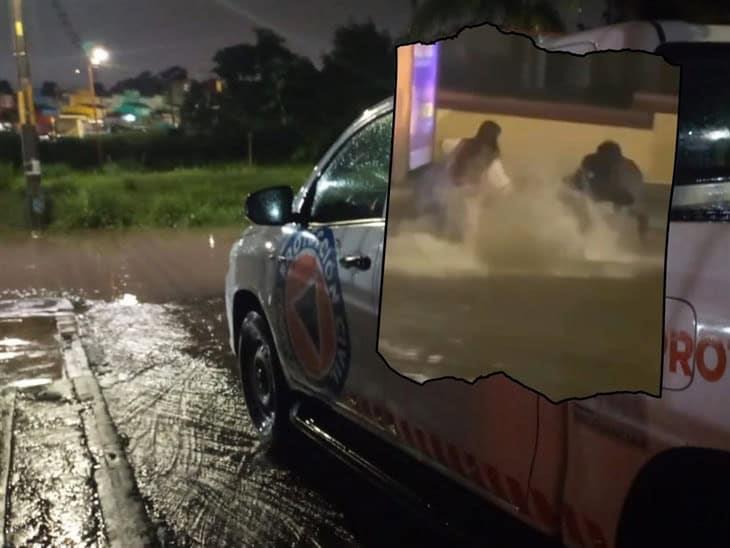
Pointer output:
x,y
568,313
150,319
154,265
163,372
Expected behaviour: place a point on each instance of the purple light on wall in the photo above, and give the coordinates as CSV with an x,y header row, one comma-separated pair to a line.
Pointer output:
x,y
423,104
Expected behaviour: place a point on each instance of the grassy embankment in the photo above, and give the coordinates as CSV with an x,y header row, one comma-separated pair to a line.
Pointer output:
x,y
113,197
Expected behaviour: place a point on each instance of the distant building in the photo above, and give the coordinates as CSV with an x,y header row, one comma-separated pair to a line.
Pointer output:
x,y
71,125
7,102
131,110
46,111
78,113
83,110
8,111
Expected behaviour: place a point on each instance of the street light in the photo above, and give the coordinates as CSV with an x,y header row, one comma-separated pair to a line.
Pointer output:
x,y
97,56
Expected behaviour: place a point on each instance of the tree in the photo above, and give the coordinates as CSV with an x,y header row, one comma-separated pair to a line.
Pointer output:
x,y
298,94
50,89
268,90
434,19
359,71
6,88
173,74
175,83
198,113
256,76
100,89
697,11
146,83
271,91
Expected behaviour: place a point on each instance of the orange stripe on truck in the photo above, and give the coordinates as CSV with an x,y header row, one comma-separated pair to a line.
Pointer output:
x,y
488,477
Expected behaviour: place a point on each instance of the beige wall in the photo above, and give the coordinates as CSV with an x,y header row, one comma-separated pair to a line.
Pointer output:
x,y
559,146
402,118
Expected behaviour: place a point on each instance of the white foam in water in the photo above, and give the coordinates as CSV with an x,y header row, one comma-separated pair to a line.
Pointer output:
x,y
529,231
417,252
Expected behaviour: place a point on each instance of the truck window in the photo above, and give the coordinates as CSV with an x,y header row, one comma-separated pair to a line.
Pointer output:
x,y
702,168
355,183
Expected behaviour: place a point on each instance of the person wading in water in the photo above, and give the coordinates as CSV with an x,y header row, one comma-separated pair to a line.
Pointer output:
x,y
607,175
476,175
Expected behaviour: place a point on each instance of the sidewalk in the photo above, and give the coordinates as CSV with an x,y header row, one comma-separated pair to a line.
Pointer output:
x,y
64,480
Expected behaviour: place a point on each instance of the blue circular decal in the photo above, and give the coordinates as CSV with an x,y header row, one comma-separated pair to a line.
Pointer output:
x,y
311,310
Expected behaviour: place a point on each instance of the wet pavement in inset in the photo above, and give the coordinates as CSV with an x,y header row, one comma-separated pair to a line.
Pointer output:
x,y
566,313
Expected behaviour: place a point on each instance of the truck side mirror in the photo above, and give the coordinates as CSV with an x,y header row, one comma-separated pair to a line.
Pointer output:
x,y
270,206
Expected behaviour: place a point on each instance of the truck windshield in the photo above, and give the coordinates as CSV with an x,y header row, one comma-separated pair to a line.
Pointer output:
x,y
703,151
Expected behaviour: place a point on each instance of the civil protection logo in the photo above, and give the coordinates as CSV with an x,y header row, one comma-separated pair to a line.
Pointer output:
x,y
312,308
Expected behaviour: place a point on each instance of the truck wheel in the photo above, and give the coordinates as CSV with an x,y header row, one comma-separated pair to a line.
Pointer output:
x,y
679,503
268,398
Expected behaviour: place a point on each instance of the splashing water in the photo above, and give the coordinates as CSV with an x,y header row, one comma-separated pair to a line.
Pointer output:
x,y
532,230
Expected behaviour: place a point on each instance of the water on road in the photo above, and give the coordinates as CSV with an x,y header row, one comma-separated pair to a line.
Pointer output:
x,y
154,265
151,315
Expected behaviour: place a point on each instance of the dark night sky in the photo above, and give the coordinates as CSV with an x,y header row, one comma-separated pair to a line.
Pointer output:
x,y
155,34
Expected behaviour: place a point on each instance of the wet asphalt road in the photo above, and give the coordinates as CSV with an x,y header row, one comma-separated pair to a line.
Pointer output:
x,y
164,368
54,499
165,372
575,329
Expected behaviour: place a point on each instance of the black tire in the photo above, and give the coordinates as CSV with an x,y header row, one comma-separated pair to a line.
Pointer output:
x,y
679,503
268,398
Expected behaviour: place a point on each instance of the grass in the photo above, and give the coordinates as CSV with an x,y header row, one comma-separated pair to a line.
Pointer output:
x,y
120,197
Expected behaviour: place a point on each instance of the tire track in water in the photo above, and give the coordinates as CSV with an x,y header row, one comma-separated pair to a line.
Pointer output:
x,y
194,453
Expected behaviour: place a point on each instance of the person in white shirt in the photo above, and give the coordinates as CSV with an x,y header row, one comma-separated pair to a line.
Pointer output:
x,y
477,176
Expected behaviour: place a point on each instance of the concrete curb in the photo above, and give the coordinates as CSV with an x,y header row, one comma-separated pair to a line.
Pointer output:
x,y
7,459
125,518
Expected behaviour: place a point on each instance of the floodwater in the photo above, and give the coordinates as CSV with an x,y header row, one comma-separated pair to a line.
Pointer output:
x,y
196,456
54,500
153,265
566,312
166,374
29,353
48,492
151,314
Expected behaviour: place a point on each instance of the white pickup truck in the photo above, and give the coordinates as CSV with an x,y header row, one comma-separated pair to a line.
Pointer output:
x,y
302,299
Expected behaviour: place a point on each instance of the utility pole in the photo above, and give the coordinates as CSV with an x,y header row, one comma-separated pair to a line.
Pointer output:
x,y
96,56
92,91
26,117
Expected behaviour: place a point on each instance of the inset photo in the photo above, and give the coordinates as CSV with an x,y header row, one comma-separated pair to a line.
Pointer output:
x,y
527,216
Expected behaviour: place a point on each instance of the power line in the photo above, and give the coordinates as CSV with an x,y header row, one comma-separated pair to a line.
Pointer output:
x,y
73,36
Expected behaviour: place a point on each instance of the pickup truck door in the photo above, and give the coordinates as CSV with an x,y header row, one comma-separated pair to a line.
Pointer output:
x,y
326,302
